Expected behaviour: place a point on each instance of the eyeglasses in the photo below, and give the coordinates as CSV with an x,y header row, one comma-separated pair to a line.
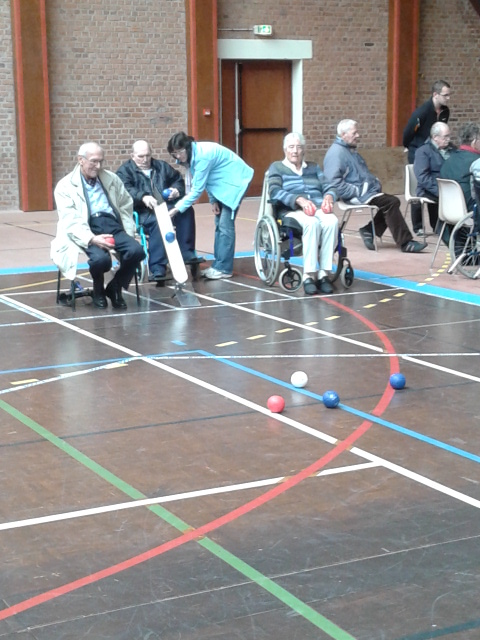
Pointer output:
x,y
295,147
178,152
94,161
445,95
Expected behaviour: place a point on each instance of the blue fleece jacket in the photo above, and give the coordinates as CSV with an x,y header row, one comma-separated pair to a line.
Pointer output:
x,y
219,171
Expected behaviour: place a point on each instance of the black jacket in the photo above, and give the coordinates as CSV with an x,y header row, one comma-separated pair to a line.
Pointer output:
x,y
417,129
137,184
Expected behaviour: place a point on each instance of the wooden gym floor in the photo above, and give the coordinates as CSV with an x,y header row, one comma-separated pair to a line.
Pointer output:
x,y
148,493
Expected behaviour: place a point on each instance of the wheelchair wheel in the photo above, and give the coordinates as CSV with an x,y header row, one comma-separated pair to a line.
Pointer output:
x,y
142,271
339,260
347,274
290,279
267,250
464,248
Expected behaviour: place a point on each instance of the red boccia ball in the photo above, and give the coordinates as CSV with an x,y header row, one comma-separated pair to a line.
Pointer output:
x,y
276,404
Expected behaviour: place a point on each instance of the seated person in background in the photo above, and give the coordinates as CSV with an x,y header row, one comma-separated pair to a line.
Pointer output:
x,y
457,165
429,159
347,172
145,178
475,172
95,214
298,190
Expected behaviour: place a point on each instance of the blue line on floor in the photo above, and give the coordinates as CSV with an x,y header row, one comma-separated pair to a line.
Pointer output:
x,y
409,285
361,414
440,633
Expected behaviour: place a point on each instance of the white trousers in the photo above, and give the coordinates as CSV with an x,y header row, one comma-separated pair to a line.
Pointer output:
x,y
319,236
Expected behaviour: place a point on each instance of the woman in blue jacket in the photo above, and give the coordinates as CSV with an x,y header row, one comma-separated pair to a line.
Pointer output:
x,y
225,177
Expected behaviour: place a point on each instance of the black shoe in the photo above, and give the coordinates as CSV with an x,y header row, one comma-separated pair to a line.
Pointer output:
x,y
194,260
414,247
157,277
366,233
324,285
115,295
309,287
99,301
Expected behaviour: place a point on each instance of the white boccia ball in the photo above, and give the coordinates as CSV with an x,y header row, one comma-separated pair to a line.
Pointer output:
x,y
299,379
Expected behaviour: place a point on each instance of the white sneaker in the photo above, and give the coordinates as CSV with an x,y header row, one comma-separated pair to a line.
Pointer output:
x,y
215,274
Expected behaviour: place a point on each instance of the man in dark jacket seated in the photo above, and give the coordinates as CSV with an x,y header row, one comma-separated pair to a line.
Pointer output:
x,y
145,178
429,159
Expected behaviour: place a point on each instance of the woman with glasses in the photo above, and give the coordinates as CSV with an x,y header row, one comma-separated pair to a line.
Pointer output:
x,y
225,177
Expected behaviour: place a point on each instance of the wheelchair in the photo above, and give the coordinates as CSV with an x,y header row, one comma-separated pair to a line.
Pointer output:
x,y
276,240
464,245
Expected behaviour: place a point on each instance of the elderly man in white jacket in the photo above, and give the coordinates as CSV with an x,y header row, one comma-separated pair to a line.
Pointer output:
x,y
95,215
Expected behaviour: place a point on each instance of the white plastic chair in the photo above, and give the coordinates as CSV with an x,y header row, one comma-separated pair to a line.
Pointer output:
x,y
451,207
347,210
411,193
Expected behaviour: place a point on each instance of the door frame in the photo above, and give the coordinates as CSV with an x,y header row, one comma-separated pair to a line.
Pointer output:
x,y
294,50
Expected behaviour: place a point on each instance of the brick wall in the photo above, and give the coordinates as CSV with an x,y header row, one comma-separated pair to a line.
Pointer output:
x,y
347,76
450,50
8,140
117,69
117,73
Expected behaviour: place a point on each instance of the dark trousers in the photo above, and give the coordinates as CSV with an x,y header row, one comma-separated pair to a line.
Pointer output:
x,y
129,251
184,224
417,222
389,215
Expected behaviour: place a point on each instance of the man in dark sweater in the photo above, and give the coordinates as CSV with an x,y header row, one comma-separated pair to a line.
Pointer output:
x,y
145,178
417,130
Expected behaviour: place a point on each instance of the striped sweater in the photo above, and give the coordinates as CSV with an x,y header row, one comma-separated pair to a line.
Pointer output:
x,y
285,186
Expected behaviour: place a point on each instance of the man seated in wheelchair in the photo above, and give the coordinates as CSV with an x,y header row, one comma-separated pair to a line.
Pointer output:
x,y
299,191
145,178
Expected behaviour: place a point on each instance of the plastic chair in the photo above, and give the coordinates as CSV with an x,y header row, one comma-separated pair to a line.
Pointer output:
x,y
411,193
348,208
451,207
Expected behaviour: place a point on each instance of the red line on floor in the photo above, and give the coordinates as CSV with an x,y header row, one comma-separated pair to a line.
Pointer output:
x,y
195,534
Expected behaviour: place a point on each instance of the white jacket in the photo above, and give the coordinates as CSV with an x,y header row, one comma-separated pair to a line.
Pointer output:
x,y
73,230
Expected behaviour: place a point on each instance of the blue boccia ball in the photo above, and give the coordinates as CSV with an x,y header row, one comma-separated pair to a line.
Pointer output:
x,y
170,236
166,193
397,380
331,399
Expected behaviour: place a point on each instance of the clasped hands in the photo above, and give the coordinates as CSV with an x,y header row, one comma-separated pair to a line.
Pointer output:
x,y
309,208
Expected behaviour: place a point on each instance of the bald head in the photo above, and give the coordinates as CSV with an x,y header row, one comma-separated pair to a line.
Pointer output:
x,y
142,154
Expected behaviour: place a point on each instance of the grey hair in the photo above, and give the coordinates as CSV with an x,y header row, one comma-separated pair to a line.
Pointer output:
x,y
438,128
345,125
469,132
88,147
291,136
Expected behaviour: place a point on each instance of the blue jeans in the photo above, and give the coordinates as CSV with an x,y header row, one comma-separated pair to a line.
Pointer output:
x,y
184,224
224,245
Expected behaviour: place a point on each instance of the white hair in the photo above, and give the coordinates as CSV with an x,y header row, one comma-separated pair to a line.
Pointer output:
x,y
88,148
345,125
293,136
138,142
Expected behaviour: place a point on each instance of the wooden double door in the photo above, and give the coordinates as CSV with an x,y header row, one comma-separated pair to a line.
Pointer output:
x,y
256,112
